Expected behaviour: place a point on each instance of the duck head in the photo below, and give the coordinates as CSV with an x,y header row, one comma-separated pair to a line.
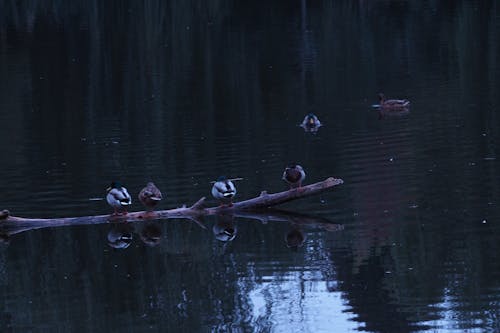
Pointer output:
x,y
114,185
222,179
311,119
294,166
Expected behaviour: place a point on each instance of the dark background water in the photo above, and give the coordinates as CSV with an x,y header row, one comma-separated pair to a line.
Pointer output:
x,y
180,92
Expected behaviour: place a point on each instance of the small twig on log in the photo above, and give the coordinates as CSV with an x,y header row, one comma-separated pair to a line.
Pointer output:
x,y
198,205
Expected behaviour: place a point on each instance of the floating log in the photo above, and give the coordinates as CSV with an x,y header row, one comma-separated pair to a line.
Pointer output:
x,y
251,208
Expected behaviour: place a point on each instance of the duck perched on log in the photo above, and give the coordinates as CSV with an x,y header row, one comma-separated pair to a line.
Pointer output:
x,y
392,104
294,175
224,190
150,196
118,198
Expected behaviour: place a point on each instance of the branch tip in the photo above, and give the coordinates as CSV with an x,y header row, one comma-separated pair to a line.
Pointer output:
x,y
334,181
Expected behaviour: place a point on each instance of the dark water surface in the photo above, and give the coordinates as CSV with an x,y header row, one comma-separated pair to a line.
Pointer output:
x,y
180,92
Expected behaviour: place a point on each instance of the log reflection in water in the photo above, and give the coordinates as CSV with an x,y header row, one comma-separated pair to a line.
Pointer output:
x,y
150,231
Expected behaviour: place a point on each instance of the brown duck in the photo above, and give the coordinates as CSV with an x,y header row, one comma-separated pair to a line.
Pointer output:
x,y
392,104
150,196
294,175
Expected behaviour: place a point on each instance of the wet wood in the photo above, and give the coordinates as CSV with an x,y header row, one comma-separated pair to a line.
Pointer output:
x,y
251,208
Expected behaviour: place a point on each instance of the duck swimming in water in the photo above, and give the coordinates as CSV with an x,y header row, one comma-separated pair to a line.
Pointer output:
x,y
118,198
294,175
392,104
224,190
150,196
310,123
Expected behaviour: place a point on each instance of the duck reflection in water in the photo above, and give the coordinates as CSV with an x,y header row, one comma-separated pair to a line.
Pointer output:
x,y
4,238
224,228
392,113
120,236
311,123
150,234
294,238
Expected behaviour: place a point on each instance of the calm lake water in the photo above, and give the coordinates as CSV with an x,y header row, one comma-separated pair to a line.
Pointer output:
x,y
181,92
